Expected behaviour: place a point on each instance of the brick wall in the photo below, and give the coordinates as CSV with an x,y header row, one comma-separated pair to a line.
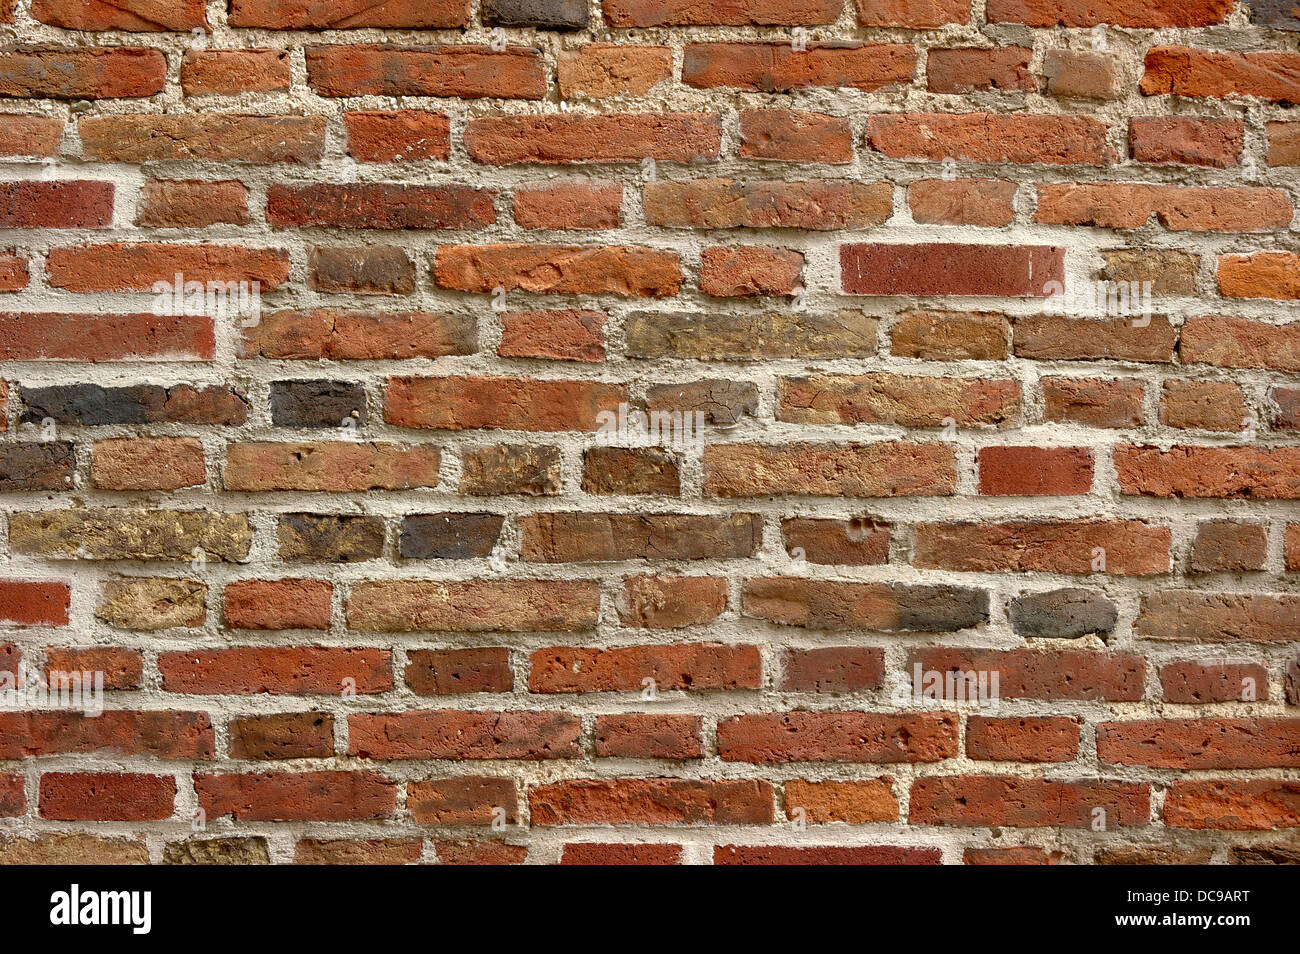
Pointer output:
x,y
325,333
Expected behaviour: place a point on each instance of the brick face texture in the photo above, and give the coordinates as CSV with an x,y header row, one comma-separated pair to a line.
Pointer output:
x,y
983,321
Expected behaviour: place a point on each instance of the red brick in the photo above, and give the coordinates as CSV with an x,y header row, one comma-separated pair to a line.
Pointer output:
x,y
640,735
1240,343
652,801
393,14
379,206
1047,337
1032,674
1076,13
34,603
871,800
191,203
1079,73
1233,804
66,204
728,203
1184,471
987,202
463,800
558,335
82,74
162,734
1183,71
511,403
339,335
1198,141
593,853
520,605
1095,402
1260,275
1024,271
1219,617
279,670
336,466
59,335
1129,206
990,137
1194,682
1214,743
284,735
1022,471
577,205
231,72
987,800
73,796
37,136
748,271
838,737
1130,547
824,855
278,604
139,16
789,135
832,669
403,135
668,602
914,14
294,796
208,137
970,68
444,672
687,666
1030,739
651,13
122,668
448,734
467,72
137,266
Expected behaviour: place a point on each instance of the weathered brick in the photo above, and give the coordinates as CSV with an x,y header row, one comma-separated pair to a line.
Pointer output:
x,y
559,269
779,67
1218,617
404,606
886,469
882,398
601,70
210,137
120,534
888,607
730,203
664,137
